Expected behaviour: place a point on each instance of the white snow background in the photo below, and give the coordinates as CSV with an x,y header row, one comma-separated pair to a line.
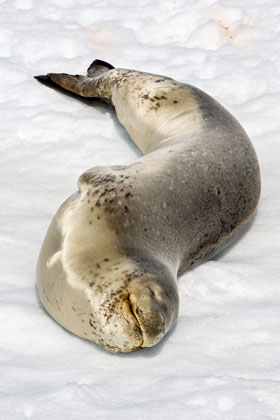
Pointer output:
x,y
222,358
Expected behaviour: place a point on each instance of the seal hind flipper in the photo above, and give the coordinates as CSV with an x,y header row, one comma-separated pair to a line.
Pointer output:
x,y
72,83
98,67
47,81
85,86
80,85
75,83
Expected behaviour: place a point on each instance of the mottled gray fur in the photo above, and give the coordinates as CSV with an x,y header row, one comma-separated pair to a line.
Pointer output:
x,y
197,187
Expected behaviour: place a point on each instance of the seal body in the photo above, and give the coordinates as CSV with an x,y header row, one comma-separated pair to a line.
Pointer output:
x,y
108,267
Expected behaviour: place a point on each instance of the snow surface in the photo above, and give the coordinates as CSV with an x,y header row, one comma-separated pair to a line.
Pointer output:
x,y
222,358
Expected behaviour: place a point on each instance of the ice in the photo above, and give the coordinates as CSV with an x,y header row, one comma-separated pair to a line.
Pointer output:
x,y
221,361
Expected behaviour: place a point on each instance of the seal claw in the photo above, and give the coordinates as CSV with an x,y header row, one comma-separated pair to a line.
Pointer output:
x,y
42,78
45,80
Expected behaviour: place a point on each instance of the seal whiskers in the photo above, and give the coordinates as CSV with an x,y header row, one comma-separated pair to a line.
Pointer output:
x,y
108,266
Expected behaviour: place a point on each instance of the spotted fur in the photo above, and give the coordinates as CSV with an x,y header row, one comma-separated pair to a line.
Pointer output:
x,y
108,266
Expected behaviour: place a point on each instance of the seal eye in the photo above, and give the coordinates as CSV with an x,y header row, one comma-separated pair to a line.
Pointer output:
x,y
152,292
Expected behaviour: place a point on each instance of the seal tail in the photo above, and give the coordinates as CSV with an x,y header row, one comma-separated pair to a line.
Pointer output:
x,y
80,85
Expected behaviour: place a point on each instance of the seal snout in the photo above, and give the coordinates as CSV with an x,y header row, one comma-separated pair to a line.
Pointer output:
x,y
153,313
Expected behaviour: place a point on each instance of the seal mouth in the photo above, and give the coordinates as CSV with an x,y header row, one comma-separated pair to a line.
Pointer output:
x,y
131,318
132,310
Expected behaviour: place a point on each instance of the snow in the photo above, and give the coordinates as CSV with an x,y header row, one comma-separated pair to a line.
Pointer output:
x,y
222,358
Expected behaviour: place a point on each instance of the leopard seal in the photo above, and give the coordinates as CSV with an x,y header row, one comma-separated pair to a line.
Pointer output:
x,y
108,266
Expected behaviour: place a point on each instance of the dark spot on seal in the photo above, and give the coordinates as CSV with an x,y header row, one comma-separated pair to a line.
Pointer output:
x,y
104,193
175,102
138,311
